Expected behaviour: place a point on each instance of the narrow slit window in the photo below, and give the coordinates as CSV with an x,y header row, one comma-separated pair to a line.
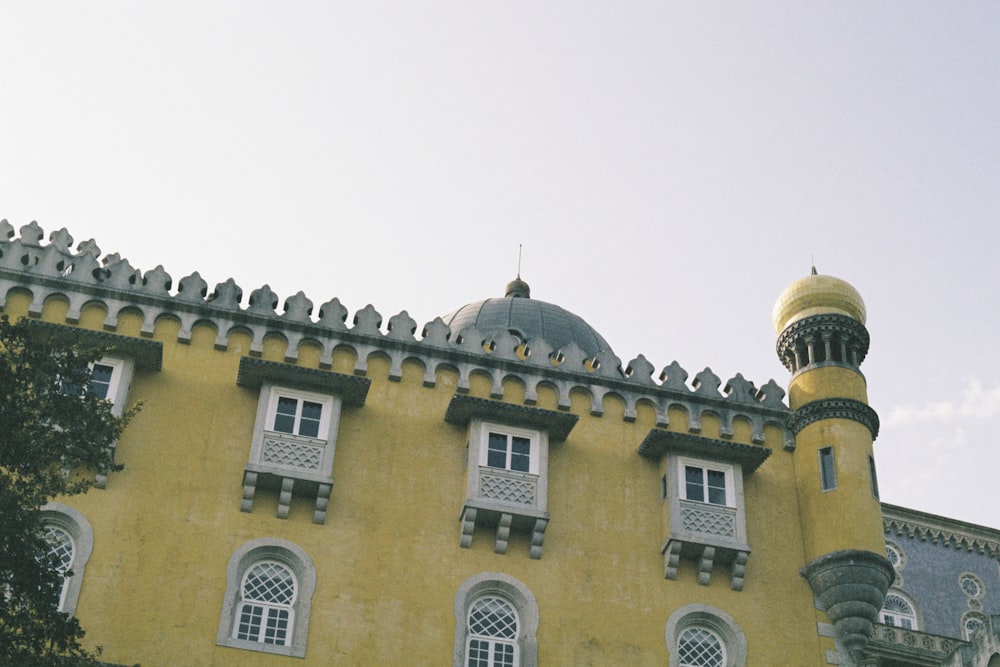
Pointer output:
x,y
827,469
874,476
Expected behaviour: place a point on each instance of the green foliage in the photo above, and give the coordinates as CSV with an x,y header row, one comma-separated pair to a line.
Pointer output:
x,y
53,437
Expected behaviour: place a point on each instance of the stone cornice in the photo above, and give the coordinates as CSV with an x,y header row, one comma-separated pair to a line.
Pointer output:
x,y
351,389
834,408
147,354
659,441
52,269
463,408
949,533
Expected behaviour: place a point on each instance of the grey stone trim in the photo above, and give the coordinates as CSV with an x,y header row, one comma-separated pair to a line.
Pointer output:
x,y
948,533
909,647
146,354
287,553
835,408
463,408
850,586
827,338
74,523
351,389
514,592
716,620
54,269
660,441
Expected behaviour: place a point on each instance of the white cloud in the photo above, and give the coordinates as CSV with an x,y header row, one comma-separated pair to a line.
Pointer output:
x,y
975,402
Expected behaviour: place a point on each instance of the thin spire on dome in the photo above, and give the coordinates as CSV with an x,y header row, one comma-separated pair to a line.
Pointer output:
x,y
517,287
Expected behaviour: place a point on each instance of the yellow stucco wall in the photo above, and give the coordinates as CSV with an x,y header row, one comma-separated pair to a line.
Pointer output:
x,y
388,558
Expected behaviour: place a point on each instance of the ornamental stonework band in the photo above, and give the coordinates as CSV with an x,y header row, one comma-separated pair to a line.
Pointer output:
x,y
834,408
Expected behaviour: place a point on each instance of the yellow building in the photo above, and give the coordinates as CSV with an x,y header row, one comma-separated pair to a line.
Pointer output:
x,y
492,488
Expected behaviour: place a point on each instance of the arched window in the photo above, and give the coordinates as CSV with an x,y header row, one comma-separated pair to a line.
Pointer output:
x,y
701,636
267,595
61,549
898,612
971,623
269,586
700,647
493,630
496,623
70,540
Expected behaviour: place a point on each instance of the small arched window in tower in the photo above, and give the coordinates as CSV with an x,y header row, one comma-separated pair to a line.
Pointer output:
x,y
267,596
493,631
700,647
898,612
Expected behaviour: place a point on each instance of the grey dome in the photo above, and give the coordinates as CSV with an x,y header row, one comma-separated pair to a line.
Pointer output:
x,y
528,318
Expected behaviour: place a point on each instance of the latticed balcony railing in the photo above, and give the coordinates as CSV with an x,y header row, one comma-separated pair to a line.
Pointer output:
x,y
292,464
508,500
291,451
709,534
708,519
505,486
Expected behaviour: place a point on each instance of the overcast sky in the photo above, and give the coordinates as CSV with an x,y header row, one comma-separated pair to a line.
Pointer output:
x,y
668,167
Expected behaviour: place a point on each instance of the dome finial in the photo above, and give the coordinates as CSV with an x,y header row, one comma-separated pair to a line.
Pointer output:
x,y
517,287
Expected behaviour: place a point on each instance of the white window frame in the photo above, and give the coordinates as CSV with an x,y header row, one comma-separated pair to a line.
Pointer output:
x,y
326,407
267,608
533,437
721,624
118,384
517,595
267,408
899,619
78,528
493,642
725,468
240,563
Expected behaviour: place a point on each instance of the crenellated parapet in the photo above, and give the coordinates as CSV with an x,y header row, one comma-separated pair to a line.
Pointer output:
x,y
84,277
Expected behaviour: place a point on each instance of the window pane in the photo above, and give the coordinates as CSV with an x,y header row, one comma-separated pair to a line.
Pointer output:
x,y
827,471
276,631
309,424
479,653
100,380
699,647
496,457
284,418
694,484
249,623
716,487
520,455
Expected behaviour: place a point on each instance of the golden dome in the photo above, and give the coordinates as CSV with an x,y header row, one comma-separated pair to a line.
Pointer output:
x,y
815,295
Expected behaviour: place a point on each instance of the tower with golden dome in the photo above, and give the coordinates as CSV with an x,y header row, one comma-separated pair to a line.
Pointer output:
x,y
822,340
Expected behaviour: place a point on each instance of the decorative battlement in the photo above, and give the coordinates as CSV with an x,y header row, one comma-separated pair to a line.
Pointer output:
x,y
47,270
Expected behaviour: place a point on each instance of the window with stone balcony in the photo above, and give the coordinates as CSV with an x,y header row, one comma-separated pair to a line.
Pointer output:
x,y
110,375
507,474
702,486
295,434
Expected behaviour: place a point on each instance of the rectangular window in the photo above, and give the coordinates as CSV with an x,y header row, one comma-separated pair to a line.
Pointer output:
x,y
827,469
297,416
874,476
508,451
705,485
100,379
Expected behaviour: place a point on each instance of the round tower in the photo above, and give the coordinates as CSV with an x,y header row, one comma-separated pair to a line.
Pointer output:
x,y
822,340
